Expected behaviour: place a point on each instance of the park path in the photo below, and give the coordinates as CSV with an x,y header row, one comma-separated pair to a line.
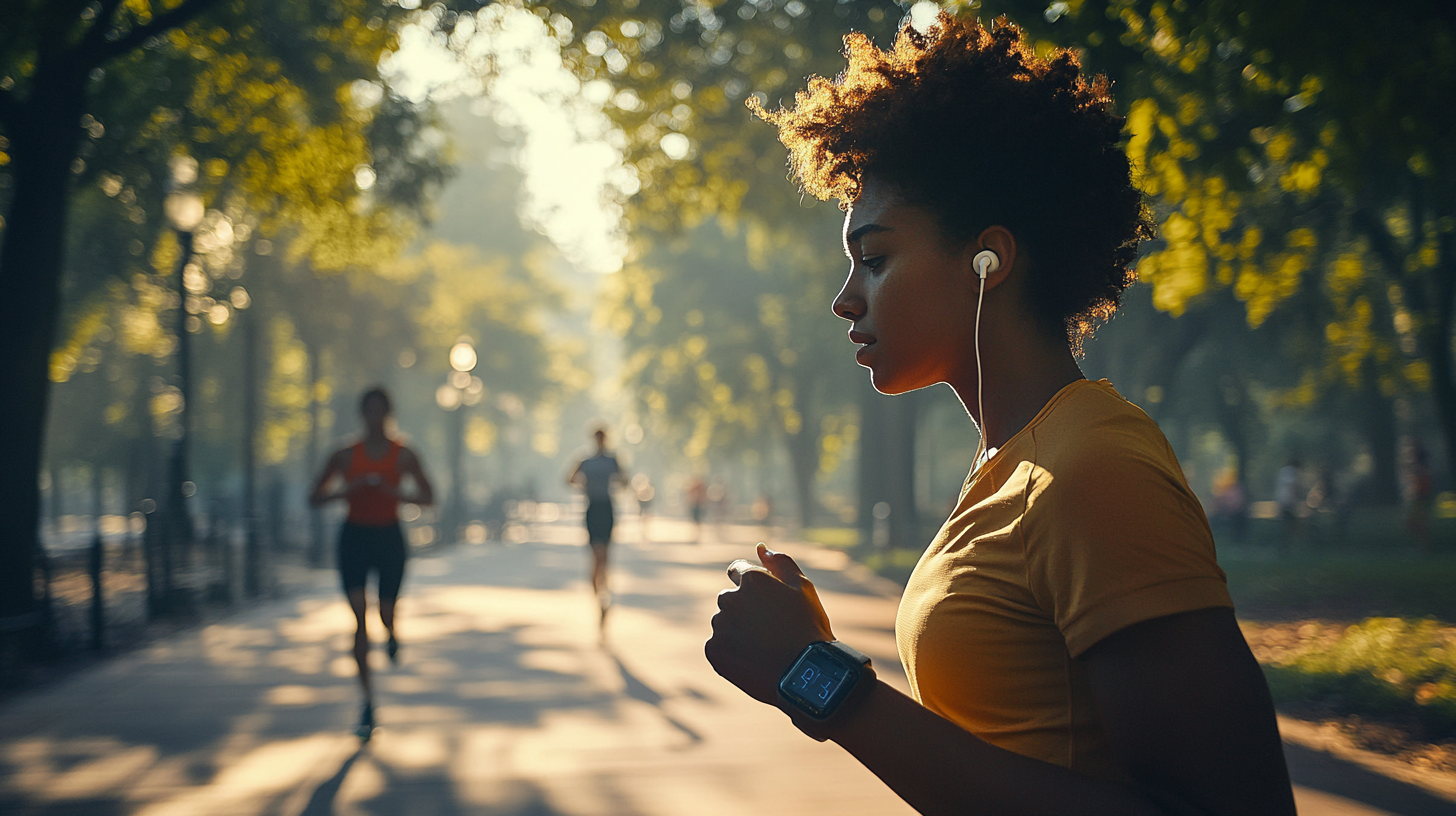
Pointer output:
x,y
505,703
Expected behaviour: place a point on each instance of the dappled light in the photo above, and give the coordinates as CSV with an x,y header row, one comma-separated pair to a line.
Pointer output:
x,y
536,311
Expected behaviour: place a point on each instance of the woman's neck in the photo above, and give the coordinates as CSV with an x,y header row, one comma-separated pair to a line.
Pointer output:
x,y
1020,379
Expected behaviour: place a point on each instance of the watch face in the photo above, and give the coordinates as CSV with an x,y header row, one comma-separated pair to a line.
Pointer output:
x,y
818,681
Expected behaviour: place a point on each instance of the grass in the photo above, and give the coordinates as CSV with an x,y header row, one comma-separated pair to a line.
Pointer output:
x,y
1344,625
1345,586
1397,665
1395,669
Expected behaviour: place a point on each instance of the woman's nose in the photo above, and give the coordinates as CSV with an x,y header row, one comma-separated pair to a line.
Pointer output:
x,y
849,304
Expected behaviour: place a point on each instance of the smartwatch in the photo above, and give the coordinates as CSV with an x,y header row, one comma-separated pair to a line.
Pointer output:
x,y
823,677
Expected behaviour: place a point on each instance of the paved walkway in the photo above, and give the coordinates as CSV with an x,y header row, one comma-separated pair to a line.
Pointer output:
x,y
505,703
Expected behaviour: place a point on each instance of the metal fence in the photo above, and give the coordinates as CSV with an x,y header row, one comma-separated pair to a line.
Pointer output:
x,y
141,578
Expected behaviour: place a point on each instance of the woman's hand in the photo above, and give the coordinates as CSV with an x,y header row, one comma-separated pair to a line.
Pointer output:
x,y
372,481
764,623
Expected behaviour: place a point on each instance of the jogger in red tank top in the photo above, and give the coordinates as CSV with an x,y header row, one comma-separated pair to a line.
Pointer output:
x,y
371,540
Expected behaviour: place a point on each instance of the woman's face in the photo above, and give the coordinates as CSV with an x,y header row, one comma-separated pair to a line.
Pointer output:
x,y
375,413
906,295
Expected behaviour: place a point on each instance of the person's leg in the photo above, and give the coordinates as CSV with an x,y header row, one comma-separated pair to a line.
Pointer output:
x,y
391,576
599,584
386,616
598,533
359,603
599,568
353,560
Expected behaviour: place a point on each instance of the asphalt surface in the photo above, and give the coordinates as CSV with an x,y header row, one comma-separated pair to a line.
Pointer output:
x,y
506,701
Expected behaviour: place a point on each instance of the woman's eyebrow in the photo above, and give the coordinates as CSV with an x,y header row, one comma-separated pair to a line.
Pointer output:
x,y
863,230
860,232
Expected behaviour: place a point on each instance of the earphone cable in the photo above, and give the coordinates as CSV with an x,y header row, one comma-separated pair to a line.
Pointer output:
x,y
981,447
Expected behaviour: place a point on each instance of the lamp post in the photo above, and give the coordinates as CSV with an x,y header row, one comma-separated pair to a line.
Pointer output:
x,y
460,389
184,210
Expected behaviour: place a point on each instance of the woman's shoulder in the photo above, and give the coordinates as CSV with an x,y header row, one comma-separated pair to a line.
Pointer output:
x,y
1097,430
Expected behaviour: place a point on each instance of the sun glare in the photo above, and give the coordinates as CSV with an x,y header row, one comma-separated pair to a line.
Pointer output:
x,y
574,176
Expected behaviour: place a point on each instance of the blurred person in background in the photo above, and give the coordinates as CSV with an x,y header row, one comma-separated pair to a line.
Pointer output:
x,y
718,506
697,496
1319,506
1288,495
1230,507
1068,636
596,476
368,475
644,492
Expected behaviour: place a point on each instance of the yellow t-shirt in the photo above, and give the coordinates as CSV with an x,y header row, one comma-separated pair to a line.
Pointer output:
x,y
1080,525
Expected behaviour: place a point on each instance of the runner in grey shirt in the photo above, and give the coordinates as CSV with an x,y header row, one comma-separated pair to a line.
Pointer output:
x,y
597,476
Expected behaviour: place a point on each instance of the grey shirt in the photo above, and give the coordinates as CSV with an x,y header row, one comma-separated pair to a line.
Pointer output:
x,y
598,472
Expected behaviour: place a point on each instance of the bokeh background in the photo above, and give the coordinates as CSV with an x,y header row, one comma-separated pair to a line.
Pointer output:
x,y
224,219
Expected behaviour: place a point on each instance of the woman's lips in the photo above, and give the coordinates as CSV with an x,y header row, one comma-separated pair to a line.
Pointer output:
x,y
865,342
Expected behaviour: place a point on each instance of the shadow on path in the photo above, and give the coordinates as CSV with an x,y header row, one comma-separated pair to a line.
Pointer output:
x,y
321,803
638,690
1324,772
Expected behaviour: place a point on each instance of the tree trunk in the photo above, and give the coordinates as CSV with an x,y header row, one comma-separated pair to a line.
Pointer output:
x,y
1180,336
1443,379
1378,419
1232,401
803,450
887,465
252,555
43,142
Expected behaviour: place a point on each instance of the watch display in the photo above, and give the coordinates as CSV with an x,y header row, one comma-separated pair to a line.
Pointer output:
x,y
822,677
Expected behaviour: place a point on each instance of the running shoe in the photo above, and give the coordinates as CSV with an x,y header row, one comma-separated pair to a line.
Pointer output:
x,y
366,722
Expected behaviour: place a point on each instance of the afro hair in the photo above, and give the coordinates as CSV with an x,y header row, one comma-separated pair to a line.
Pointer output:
x,y
969,122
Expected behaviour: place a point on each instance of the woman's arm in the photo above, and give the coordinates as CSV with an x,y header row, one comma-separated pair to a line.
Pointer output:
x,y
409,465
938,767
1185,705
320,495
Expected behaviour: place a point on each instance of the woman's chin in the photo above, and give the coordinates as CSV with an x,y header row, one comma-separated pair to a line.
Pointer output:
x,y
891,383
887,384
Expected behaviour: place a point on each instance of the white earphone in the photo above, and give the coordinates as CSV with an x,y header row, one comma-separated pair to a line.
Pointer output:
x,y
985,262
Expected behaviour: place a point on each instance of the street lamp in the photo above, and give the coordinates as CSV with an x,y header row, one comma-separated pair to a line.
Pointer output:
x,y
184,210
460,389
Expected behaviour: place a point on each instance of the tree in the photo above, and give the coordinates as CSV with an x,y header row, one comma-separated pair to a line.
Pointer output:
x,y
1292,148
727,340
678,78
266,84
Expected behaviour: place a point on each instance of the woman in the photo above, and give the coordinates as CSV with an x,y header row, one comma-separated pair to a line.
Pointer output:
x,y
369,473
1068,636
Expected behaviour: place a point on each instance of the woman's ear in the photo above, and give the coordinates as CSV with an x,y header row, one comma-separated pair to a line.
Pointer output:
x,y
998,240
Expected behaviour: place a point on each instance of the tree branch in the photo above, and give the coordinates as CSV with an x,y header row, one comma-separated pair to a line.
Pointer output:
x,y
160,24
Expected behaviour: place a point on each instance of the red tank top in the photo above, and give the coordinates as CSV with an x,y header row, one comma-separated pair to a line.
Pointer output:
x,y
372,505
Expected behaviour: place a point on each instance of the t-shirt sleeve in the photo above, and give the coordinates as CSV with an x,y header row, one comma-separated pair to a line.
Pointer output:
x,y
1114,537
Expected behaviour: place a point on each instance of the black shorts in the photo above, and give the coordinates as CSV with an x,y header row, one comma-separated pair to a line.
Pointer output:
x,y
599,520
364,549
